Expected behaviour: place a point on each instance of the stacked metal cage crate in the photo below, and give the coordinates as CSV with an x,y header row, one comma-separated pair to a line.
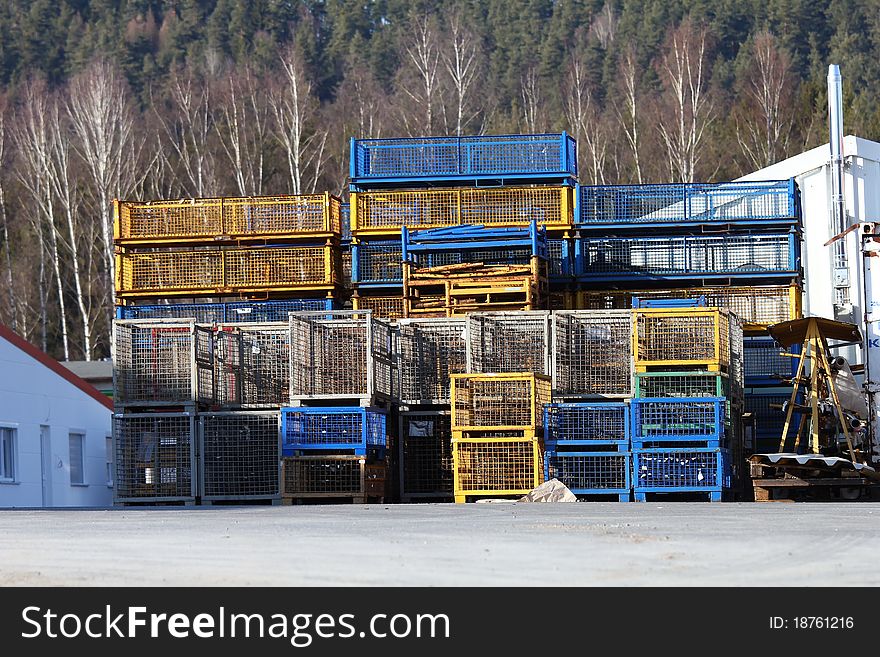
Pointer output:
x,y
343,386
196,411
425,184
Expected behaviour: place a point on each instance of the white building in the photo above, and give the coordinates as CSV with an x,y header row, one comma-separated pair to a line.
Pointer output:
x,y
55,432
830,290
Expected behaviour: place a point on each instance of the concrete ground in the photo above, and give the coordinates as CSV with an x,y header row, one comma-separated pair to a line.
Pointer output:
x,y
444,544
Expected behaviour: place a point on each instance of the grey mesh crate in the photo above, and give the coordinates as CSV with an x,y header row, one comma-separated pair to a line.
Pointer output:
x,y
240,455
425,454
509,342
162,362
341,354
592,354
252,365
155,458
429,351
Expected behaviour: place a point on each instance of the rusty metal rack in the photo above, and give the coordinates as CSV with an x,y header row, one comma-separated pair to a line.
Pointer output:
x,y
252,365
386,212
425,454
162,363
240,456
499,402
757,307
341,354
429,351
495,467
592,354
337,477
213,271
352,429
382,306
677,338
154,458
501,342
591,473
233,220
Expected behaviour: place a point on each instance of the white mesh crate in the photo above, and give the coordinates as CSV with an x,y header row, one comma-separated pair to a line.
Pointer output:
x,y
592,353
509,342
429,351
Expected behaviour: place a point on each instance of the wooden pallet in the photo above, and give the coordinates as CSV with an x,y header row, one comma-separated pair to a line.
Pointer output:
x,y
775,484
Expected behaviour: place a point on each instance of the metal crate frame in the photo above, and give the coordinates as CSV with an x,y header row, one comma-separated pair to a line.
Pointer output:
x,y
500,342
344,476
762,361
211,220
384,307
683,384
587,423
343,354
679,419
603,207
226,271
670,463
591,468
592,354
162,363
425,460
457,160
333,429
769,422
765,255
260,457
516,465
385,213
429,351
377,263
516,399
672,338
224,312
184,461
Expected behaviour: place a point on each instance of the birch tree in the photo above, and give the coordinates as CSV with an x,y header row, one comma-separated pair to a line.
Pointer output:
x,y
4,224
585,120
242,128
461,60
629,114
418,79
686,111
530,93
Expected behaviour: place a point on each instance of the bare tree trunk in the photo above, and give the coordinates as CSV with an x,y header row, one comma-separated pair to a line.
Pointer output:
x,y
531,98
242,130
418,78
461,59
629,118
7,247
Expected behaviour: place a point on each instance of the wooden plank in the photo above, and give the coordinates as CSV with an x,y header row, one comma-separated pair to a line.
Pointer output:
x,y
796,482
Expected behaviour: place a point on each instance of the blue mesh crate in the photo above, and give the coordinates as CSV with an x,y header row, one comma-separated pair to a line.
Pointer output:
x,y
591,473
377,264
560,259
588,423
510,158
681,470
678,419
203,313
352,429
766,406
747,256
763,364
688,204
222,313
345,216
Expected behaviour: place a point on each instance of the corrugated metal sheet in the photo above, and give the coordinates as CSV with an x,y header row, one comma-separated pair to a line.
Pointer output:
x,y
817,461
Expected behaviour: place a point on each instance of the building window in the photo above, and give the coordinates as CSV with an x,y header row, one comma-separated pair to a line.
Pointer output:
x,y
77,442
109,449
7,454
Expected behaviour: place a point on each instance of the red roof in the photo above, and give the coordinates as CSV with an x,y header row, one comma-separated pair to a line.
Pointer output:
x,y
38,354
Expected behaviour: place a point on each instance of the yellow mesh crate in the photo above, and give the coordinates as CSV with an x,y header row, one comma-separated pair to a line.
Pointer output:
x,y
498,402
234,218
224,271
386,307
756,306
674,337
495,467
387,212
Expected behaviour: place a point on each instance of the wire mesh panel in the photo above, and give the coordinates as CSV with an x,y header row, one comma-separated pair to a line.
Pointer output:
x,y
340,354
266,364
221,271
559,258
262,312
766,406
156,362
154,457
509,342
586,423
668,470
345,214
381,306
378,263
678,419
688,203
240,455
332,428
590,472
592,353
429,352
218,313
324,476
384,212
426,453
756,306
682,384
204,313
228,368
498,401
681,337
689,256
234,218
345,270
496,466
764,363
